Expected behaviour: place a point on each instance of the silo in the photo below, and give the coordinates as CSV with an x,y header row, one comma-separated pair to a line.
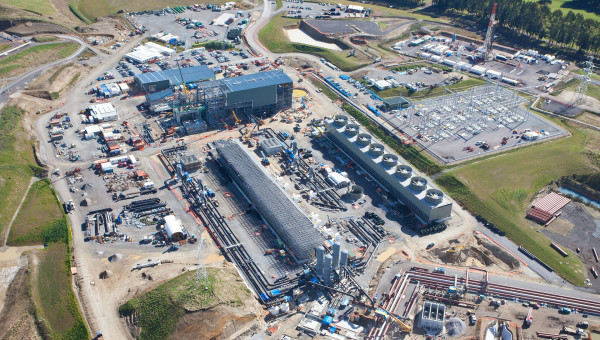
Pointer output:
x,y
320,255
336,254
344,258
327,269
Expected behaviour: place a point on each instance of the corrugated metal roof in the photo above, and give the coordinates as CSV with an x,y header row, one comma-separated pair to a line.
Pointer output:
x,y
256,80
159,95
190,75
552,203
539,215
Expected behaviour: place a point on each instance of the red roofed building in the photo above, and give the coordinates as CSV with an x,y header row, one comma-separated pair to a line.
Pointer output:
x,y
544,210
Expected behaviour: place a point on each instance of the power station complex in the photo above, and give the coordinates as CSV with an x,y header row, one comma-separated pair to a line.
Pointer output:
x,y
412,189
216,102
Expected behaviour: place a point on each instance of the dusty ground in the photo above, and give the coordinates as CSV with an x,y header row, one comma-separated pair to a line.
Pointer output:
x,y
16,318
55,80
592,104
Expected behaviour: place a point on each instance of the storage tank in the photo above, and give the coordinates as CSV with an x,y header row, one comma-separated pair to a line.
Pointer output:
x,y
351,130
320,257
327,268
404,171
493,74
344,258
449,62
389,160
363,139
355,192
274,310
285,307
434,196
418,183
436,58
340,120
376,150
337,247
478,70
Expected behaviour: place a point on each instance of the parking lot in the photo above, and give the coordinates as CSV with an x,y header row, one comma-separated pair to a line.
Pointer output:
x,y
308,10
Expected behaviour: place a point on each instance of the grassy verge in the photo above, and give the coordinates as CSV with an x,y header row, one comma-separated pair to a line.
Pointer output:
x,y
215,44
272,37
326,90
75,10
433,92
17,162
33,55
502,187
58,72
279,4
44,38
42,7
416,157
159,310
40,219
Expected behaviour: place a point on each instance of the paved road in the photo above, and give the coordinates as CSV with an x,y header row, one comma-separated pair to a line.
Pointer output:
x,y
21,82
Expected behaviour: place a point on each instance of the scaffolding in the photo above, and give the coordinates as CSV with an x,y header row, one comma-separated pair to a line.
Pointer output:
x,y
465,114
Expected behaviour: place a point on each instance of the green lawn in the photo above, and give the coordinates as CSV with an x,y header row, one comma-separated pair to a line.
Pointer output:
x,y
38,6
564,7
502,187
40,219
32,56
160,309
434,92
272,37
57,308
93,9
17,163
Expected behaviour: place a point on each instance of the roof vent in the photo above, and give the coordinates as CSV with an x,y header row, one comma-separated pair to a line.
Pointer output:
x,y
389,160
434,196
340,120
376,150
351,130
363,139
418,183
403,171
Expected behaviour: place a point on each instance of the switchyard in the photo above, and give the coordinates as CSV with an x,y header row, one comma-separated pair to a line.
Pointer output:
x,y
462,125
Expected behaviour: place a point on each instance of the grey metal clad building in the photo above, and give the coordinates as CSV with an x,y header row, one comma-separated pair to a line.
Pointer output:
x,y
284,216
394,174
396,103
157,81
259,94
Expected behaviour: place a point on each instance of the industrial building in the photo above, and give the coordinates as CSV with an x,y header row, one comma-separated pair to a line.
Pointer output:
x,y
102,112
394,174
149,51
396,103
158,81
259,94
433,316
545,210
278,210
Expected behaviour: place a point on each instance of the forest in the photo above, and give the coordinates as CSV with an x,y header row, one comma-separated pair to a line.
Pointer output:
x,y
535,20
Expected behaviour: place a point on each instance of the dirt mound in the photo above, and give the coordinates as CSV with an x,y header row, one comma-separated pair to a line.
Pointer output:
x,y
115,257
479,251
220,322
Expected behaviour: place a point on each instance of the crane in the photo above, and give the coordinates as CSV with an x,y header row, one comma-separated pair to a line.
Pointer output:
x,y
182,81
237,120
456,248
403,327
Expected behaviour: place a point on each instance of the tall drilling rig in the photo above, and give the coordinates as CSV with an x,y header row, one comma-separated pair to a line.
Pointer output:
x,y
486,50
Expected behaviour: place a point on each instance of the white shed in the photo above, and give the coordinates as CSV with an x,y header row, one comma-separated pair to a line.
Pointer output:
x,y
173,228
338,180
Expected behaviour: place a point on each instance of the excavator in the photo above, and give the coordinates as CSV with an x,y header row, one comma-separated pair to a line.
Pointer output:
x,y
403,327
454,249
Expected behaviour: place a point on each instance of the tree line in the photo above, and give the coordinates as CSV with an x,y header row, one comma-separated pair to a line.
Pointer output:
x,y
535,20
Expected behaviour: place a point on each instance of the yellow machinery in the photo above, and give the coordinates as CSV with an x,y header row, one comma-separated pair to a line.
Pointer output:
x,y
403,327
456,248
182,81
237,120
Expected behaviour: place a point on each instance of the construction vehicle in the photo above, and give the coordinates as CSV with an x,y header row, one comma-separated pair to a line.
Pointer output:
x,y
440,270
454,249
529,318
403,327
265,160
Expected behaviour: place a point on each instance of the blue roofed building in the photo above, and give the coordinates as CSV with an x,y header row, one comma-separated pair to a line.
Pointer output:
x,y
162,80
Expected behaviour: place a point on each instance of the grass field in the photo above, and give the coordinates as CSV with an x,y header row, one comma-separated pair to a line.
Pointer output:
x,y
40,219
563,5
93,9
272,37
592,91
160,309
502,187
33,55
17,163
45,38
38,6
326,90
56,305
434,92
